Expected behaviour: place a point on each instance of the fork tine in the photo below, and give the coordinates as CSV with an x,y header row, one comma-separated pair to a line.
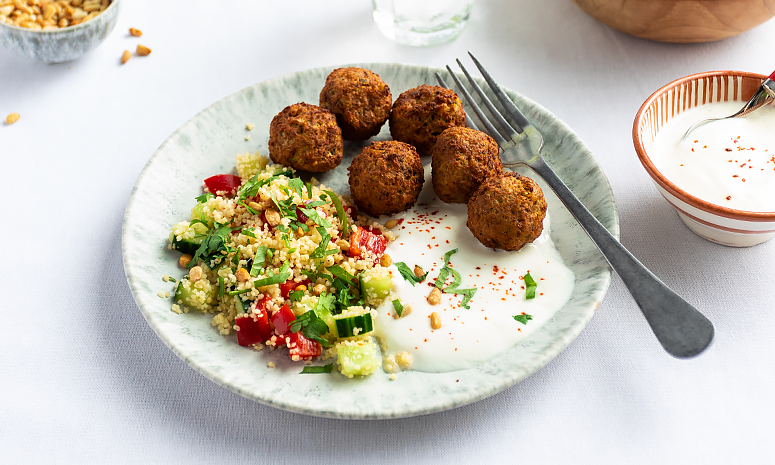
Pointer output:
x,y
512,133
469,122
486,122
511,109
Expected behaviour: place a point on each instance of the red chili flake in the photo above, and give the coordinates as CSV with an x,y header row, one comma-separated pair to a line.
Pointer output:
x,y
729,197
743,179
734,176
728,150
424,340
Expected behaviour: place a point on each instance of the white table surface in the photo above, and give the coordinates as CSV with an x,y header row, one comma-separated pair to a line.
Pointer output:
x,y
85,380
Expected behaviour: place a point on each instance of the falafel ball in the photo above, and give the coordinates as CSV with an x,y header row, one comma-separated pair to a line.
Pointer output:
x,y
359,99
306,137
386,178
421,114
507,211
461,160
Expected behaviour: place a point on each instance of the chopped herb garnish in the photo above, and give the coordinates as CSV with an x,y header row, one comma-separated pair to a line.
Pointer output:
x,y
309,191
408,274
221,287
249,232
258,261
252,211
173,280
204,197
241,291
297,186
315,370
276,279
212,245
316,203
398,307
319,252
340,213
530,287
285,267
295,296
311,326
524,318
340,272
452,288
315,216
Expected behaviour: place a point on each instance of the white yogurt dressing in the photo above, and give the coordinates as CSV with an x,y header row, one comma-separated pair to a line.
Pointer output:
x,y
730,163
467,337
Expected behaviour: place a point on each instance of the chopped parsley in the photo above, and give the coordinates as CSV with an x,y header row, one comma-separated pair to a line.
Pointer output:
x,y
295,296
530,287
258,261
524,318
452,288
212,245
315,370
205,197
408,274
312,327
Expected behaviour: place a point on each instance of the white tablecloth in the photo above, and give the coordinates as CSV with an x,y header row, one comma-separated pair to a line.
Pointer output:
x,y
85,380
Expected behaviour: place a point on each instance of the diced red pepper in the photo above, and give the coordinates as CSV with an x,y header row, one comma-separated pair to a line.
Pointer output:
x,y
249,331
254,327
226,183
281,320
362,240
288,286
303,347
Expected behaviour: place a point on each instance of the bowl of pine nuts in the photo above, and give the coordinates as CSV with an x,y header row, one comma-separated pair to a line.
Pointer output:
x,y
55,31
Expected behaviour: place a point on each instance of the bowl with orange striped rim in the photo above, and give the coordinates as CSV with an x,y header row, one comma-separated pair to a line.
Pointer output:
x,y
717,223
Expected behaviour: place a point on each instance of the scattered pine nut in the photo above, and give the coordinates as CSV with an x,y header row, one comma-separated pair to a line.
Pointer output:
x,y
435,296
125,56
185,259
391,224
143,51
418,271
135,32
195,274
435,321
12,118
242,275
319,289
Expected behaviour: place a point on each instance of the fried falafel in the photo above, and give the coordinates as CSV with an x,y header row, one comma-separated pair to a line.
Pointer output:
x,y
386,178
461,160
421,114
359,99
507,211
306,137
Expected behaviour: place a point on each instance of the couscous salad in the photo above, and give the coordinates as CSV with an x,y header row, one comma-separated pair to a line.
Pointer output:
x,y
284,263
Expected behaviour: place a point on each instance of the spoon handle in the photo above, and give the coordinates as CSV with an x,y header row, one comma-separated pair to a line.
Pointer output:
x,y
681,329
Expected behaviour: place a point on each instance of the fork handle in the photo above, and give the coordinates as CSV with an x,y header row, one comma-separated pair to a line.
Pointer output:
x,y
681,329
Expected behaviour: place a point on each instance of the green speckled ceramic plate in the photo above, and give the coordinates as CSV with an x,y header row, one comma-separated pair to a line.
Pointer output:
x,y
207,145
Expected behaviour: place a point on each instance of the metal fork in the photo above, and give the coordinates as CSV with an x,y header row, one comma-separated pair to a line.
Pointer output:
x,y
681,329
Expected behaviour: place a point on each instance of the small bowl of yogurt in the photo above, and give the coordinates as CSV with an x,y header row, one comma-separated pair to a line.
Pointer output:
x,y
721,178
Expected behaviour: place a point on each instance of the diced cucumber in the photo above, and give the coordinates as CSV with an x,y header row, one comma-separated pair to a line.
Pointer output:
x,y
199,212
353,325
199,295
375,286
357,359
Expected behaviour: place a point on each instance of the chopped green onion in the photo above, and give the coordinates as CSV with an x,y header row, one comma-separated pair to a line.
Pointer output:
x,y
241,291
173,280
221,287
238,303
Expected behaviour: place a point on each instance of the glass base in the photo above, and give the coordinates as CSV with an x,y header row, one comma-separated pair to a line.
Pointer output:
x,y
422,32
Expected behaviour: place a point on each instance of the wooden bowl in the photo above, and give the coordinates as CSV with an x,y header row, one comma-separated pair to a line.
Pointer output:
x,y
680,21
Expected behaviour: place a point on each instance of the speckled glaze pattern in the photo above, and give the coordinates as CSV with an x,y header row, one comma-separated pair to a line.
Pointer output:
x,y
60,45
207,144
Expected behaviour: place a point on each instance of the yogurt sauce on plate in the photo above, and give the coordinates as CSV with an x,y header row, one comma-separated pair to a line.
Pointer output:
x,y
730,163
467,337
